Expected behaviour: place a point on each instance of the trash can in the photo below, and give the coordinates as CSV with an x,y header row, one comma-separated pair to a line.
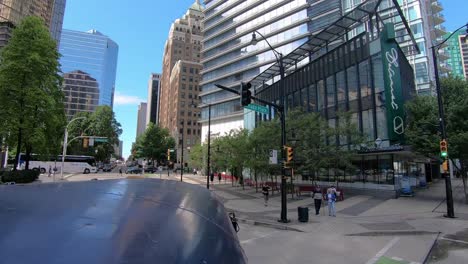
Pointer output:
x,y
303,214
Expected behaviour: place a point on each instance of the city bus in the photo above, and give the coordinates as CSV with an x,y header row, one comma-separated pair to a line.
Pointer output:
x,y
72,164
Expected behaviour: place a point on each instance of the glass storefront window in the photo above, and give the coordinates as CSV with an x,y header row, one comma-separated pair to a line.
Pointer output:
x,y
364,78
320,95
312,98
368,125
331,92
379,83
370,168
382,128
341,91
304,98
385,169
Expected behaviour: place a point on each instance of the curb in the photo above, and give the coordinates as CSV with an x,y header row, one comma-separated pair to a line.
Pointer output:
x,y
269,224
426,258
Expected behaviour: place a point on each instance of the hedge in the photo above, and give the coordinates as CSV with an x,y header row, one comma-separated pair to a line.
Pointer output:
x,y
20,176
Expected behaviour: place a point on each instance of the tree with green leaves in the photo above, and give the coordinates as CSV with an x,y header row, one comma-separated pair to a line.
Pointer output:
x,y
264,138
31,99
154,143
100,123
422,132
233,152
197,156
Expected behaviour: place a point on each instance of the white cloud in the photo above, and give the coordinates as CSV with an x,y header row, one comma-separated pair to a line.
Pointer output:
x,y
122,99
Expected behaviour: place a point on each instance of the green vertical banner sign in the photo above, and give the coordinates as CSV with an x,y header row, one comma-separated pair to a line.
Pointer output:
x,y
393,88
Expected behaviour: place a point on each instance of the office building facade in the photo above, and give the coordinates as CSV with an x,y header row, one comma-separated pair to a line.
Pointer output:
x,y
180,80
93,53
229,58
154,90
426,21
13,11
81,93
463,40
141,119
454,52
368,76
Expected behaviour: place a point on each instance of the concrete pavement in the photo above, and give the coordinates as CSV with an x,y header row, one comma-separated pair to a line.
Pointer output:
x,y
366,230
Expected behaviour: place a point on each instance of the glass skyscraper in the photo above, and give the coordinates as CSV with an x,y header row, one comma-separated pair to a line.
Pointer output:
x,y
93,53
229,58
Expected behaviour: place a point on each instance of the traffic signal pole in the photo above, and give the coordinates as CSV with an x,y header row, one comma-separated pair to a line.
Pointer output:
x,y
281,110
448,181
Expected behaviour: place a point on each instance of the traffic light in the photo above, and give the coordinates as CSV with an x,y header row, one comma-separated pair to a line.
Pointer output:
x,y
443,148
85,142
445,167
289,154
168,154
246,94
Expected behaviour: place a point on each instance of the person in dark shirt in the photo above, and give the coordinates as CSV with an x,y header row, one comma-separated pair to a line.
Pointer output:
x,y
265,191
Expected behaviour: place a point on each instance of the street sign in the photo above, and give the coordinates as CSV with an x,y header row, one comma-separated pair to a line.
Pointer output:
x,y
273,156
91,142
102,140
257,108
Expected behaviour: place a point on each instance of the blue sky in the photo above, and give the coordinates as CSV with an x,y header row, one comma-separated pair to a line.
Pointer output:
x,y
141,30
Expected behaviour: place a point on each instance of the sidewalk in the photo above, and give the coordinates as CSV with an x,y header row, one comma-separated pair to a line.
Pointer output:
x,y
413,225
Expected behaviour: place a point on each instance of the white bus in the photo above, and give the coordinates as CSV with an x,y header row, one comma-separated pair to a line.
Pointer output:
x,y
72,164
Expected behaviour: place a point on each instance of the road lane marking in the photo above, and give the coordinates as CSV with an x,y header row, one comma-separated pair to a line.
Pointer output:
x,y
260,237
455,240
383,250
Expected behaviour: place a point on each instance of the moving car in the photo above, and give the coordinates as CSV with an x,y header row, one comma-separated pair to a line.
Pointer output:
x,y
133,170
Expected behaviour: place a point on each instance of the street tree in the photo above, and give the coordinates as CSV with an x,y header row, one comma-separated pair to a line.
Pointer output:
x,y
100,123
154,143
423,133
197,156
264,138
322,146
31,99
233,152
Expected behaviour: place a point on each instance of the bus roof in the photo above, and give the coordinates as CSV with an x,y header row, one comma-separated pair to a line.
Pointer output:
x,y
116,221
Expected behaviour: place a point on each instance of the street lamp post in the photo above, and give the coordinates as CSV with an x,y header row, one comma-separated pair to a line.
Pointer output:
x,y
65,144
448,182
208,164
281,110
182,155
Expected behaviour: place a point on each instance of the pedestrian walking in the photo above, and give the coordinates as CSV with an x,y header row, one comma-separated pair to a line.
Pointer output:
x,y
317,195
265,192
120,171
219,177
331,196
50,170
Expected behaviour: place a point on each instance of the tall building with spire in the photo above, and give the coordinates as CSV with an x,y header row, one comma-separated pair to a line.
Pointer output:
x,y
13,11
180,79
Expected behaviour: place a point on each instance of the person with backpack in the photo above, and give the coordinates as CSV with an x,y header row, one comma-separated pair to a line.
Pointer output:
x,y
331,197
317,195
265,192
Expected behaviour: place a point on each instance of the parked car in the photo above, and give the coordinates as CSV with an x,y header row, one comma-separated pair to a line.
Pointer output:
x,y
107,168
150,169
133,170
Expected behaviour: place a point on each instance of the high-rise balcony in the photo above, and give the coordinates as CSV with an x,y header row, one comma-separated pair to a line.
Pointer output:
x,y
436,6
438,18
439,31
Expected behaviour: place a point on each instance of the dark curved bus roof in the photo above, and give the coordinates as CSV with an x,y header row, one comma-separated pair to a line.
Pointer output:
x,y
115,221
